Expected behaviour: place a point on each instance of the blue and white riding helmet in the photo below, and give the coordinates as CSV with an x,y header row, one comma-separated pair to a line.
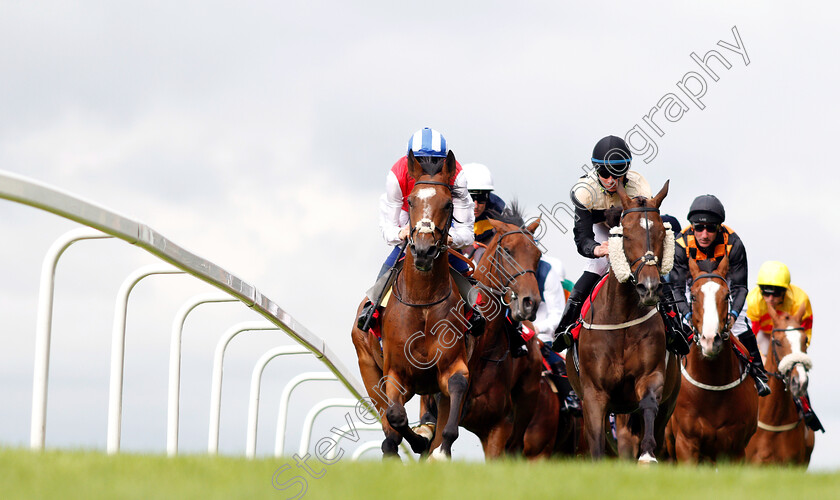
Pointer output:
x,y
427,142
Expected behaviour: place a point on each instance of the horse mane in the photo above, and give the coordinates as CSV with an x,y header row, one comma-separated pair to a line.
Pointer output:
x,y
512,214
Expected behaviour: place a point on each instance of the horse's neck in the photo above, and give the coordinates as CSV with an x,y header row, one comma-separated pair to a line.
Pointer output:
x,y
778,408
623,300
489,275
419,287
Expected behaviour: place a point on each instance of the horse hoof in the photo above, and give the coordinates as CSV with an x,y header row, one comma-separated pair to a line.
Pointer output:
x,y
438,456
426,430
647,459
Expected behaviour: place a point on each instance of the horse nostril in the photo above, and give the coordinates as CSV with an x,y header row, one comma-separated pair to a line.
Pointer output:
x,y
641,289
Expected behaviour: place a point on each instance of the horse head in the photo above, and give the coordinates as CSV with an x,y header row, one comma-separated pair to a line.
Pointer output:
x,y
514,258
430,208
710,307
789,346
638,249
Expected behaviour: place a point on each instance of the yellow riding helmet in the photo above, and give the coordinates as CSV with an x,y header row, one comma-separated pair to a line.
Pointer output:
x,y
774,273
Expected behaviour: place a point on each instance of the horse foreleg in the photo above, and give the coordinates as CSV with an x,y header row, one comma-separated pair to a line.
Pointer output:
x,y
628,430
457,385
594,411
649,406
398,420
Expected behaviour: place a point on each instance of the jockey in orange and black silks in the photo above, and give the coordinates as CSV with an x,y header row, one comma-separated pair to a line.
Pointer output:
x,y
707,241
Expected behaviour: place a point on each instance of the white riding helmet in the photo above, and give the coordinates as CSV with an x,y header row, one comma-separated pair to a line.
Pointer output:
x,y
479,177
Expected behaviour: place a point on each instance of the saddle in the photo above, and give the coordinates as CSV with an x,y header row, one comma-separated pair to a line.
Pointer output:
x,y
586,306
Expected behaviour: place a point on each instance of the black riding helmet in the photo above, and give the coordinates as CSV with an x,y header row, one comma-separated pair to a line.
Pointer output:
x,y
706,209
611,156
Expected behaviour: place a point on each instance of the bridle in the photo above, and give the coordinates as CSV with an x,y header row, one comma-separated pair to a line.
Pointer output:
x,y
427,226
497,259
648,258
784,377
725,333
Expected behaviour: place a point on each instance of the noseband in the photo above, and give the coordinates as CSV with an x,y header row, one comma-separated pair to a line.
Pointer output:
x,y
428,226
649,258
725,333
784,377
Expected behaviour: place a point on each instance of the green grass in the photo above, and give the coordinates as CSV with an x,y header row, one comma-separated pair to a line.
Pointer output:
x,y
90,475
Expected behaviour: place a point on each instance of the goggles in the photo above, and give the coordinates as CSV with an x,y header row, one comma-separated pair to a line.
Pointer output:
x,y
709,228
479,196
775,291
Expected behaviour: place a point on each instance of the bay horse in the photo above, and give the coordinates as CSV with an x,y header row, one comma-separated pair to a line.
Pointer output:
x,y
782,436
504,390
620,362
716,412
423,351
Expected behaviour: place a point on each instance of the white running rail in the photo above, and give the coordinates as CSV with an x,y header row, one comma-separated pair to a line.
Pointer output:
x,y
20,189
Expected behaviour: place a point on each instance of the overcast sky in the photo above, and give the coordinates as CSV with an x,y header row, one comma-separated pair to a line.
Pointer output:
x,y
258,135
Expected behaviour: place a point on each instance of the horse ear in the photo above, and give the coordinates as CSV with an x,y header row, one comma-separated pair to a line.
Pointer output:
x,y
693,268
414,168
657,200
723,267
534,225
622,195
498,225
450,166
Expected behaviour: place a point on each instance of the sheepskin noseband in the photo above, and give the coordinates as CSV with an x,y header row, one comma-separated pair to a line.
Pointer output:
x,y
618,260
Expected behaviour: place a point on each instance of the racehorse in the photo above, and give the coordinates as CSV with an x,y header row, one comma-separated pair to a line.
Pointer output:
x,y
782,436
716,413
621,365
503,390
423,351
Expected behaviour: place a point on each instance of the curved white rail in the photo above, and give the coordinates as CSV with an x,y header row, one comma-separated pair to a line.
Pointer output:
x,y
285,397
23,190
43,329
218,373
115,398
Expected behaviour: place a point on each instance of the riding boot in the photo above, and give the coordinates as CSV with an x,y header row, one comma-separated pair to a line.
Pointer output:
x,y
811,419
367,312
469,294
571,402
571,313
756,366
676,331
516,343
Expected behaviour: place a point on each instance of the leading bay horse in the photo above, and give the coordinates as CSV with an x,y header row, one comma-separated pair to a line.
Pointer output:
x,y
782,436
621,365
423,350
716,412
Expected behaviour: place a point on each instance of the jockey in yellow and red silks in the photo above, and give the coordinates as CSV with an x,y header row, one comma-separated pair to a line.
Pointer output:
x,y
775,290
774,281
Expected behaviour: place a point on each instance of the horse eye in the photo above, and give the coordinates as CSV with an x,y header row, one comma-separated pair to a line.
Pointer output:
x,y
448,205
410,202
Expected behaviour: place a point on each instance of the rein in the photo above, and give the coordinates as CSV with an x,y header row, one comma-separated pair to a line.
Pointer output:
x,y
778,428
428,304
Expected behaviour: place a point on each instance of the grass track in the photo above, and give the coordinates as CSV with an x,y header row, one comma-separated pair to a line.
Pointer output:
x,y
90,475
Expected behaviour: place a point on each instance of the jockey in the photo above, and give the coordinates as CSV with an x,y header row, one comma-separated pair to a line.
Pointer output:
x,y
480,186
707,241
551,278
393,210
775,290
593,196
